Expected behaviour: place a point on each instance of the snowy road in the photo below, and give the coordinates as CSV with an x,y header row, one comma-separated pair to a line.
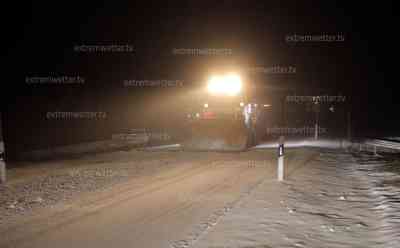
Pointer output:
x,y
153,211
223,200
337,200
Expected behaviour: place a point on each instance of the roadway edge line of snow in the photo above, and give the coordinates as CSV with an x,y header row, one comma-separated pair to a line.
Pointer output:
x,y
215,218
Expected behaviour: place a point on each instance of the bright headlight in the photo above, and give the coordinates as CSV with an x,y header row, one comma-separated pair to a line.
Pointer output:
x,y
230,84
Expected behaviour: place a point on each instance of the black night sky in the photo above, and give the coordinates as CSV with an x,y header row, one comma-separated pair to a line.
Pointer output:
x,y
362,67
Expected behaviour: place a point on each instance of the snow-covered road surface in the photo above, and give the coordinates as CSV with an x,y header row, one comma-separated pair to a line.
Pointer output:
x,y
335,200
330,198
152,210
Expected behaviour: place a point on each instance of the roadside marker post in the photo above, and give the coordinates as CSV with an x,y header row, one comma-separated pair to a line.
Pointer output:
x,y
2,160
316,131
2,164
2,171
281,169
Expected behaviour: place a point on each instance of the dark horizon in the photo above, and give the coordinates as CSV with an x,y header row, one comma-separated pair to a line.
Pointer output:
x,y
360,67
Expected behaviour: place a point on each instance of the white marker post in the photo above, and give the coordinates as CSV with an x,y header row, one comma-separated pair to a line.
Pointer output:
x,y
2,162
316,131
281,170
2,171
375,153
